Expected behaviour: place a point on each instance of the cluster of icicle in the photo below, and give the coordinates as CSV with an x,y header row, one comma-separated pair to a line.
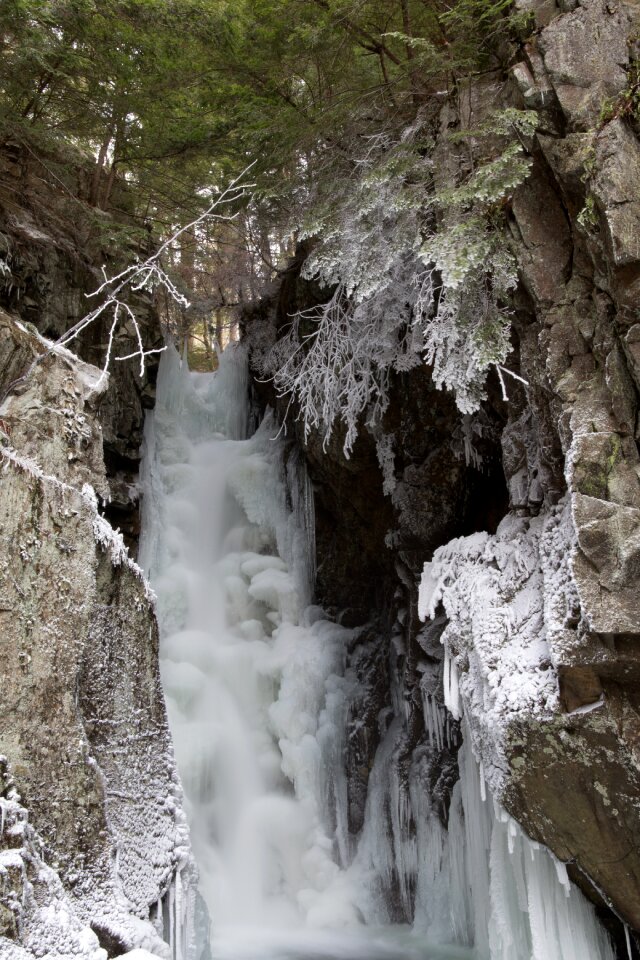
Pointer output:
x,y
261,688
518,902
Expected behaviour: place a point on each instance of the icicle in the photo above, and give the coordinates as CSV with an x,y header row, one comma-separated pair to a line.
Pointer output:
x,y
446,676
450,685
563,876
428,717
179,918
512,832
628,941
172,927
483,788
438,723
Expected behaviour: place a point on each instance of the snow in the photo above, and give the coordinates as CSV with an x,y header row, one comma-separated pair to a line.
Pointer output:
x,y
138,955
588,707
500,595
31,890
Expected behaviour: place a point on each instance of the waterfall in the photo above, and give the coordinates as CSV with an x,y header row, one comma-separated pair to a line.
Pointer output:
x,y
259,688
251,671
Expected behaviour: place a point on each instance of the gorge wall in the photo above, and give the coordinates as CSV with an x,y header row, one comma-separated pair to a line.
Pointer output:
x,y
93,840
542,615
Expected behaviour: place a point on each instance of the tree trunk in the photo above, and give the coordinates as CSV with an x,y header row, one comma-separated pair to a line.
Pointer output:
x,y
102,156
411,54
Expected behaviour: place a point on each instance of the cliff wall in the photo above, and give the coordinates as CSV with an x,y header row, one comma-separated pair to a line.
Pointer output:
x,y
527,512
93,840
89,785
89,782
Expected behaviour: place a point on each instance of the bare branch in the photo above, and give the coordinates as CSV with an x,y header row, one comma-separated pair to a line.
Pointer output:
x,y
147,275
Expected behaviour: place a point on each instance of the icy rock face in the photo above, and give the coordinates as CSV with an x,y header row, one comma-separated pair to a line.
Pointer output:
x,y
82,717
579,428
514,617
35,909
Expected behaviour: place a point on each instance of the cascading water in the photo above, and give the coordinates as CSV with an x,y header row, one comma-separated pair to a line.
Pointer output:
x,y
259,690
247,665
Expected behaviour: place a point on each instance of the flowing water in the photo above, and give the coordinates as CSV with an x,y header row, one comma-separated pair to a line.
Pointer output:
x,y
258,691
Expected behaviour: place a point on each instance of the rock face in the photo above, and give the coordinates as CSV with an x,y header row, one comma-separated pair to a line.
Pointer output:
x,y
53,247
547,652
82,716
586,745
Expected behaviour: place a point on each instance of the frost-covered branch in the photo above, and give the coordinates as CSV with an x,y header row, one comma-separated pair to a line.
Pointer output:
x,y
417,276
336,358
502,370
149,274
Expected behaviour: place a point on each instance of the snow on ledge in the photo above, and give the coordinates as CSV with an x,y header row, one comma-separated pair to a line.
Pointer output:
x,y
505,598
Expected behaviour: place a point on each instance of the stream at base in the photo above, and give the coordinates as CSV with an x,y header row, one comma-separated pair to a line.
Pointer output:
x,y
388,943
259,690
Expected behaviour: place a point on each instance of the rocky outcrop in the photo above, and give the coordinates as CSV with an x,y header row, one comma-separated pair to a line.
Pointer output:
x,y
544,616
585,234
83,727
53,248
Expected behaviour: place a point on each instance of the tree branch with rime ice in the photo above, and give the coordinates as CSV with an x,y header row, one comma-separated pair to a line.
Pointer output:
x,y
416,276
147,275
328,370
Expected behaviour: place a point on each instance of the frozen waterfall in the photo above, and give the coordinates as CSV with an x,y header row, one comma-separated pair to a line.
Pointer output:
x,y
259,688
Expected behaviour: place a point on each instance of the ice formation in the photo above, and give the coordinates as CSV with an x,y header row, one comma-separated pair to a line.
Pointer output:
x,y
248,667
511,897
262,690
497,592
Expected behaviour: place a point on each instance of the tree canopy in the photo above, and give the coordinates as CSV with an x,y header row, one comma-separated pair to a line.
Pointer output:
x,y
176,95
